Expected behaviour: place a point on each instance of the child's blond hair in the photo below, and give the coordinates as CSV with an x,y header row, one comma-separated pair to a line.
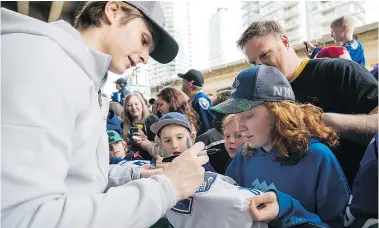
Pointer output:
x,y
347,20
228,119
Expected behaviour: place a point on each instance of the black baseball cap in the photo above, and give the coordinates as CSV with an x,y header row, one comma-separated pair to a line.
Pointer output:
x,y
193,75
254,86
166,48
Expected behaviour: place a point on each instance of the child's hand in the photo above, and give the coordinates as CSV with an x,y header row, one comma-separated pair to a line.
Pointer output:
x,y
264,207
160,164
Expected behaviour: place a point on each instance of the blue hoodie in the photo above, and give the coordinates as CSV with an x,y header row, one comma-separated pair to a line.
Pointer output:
x,y
314,191
363,203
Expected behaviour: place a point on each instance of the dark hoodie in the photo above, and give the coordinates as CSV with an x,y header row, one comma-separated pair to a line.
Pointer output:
x,y
213,139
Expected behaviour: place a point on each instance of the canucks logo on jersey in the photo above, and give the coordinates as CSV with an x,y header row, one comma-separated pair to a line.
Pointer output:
x,y
204,103
136,162
185,206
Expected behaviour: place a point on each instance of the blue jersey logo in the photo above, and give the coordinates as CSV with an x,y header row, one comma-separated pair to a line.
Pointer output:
x,y
262,186
209,178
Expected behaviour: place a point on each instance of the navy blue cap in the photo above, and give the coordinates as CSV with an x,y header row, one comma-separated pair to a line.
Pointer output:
x,y
121,81
254,86
170,118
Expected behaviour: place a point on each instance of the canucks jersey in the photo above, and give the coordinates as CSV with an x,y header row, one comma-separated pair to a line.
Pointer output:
x,y
202,105
218,202
356,51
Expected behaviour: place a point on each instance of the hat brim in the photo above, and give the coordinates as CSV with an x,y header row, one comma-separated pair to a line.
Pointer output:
x,y
118,140
236,105
156,127
180,75
167,48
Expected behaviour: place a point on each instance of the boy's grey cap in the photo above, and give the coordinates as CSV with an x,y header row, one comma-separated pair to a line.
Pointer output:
x,y
168,119
166,47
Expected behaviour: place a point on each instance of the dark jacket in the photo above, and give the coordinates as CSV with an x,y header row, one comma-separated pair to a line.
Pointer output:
x,y
213,139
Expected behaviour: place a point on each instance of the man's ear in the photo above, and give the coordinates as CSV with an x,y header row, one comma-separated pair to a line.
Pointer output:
x,y
111,12
345,27
285,40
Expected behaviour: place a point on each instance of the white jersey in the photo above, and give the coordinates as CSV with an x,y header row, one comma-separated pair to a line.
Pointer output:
x,y
219,202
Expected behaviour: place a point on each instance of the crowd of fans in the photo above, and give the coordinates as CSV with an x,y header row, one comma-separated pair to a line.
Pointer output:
x,y
304,133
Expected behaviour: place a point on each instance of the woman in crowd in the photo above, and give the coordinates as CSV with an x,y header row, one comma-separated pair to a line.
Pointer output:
x,y
172,100
286,153
136,125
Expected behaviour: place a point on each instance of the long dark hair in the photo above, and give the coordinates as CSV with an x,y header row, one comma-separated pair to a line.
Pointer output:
x,y
178,103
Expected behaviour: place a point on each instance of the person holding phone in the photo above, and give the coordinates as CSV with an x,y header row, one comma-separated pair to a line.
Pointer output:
x,y
136,126
310,49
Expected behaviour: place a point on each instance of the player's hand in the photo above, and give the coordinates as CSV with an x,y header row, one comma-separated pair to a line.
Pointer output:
x,y
186,172
148,170
264,207
160,164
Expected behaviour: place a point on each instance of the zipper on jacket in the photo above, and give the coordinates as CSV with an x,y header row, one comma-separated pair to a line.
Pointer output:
x,y
102,83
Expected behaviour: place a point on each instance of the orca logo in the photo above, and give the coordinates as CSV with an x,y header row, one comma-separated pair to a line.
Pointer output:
x,y
209,178
204,103
235,85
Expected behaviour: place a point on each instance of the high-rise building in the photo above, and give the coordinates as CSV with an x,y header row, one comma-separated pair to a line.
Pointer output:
x,y
178,23
223,33
320,14
290,14
308,20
